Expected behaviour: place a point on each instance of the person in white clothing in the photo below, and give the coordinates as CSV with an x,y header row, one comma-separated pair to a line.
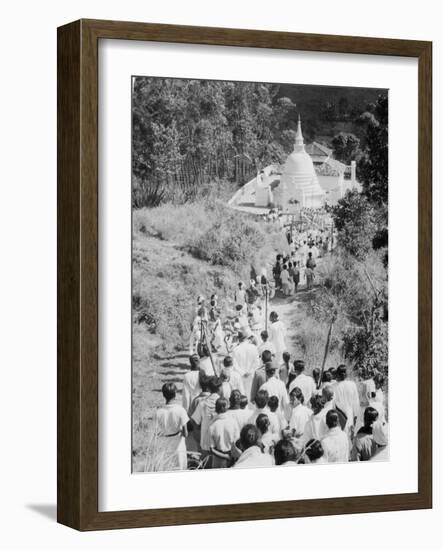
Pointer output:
x,y
246,361
277,335
241,295
266,344
314,453
268,439
206,364
231,378
170,422
335,443
315,427
302,381
223,432
205,413
300,413
191,384
274,386
346,397
261,402
285,453
252,455
196,334
239,414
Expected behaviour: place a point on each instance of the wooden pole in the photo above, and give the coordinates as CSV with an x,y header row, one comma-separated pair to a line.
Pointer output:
x,y
325,355
266,306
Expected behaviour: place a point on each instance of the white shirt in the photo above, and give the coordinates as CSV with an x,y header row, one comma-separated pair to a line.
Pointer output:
x,y
266,346
336,445
170,419
235,381
241,416
274,422
315,428
347,398
253,458
223,432
274,386
206,366
379,407
191,388
245,357
306,384
277,334
203,416
299,418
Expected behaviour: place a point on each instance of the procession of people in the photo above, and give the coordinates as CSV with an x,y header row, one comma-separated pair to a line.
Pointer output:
x,y
247,402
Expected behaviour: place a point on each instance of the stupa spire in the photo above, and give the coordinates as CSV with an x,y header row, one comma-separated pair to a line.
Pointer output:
x,y
299,141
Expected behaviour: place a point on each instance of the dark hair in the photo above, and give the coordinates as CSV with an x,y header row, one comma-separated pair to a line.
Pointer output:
x,y
370,416
273,316
273,403
261,399
266,356
298,394
327,376
227,361
204,380
264,335
284,451
235,398
342,372
262,422
379,380
169,391
332,420
333,372
299,365
327,393
249,436
194,361
286,356
243,402
238,307
221,405
316,374
317,402
214,384
314,449
204,351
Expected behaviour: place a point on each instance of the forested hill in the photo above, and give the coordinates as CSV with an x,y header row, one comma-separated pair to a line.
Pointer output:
x,y
327,110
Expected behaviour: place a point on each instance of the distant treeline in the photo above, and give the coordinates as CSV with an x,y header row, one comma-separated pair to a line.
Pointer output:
x,y
187,134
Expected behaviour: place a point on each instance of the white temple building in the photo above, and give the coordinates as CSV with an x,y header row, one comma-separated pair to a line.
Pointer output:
x,y
299,182
309,178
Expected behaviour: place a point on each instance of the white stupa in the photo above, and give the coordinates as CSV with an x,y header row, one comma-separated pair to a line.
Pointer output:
x,y
299,180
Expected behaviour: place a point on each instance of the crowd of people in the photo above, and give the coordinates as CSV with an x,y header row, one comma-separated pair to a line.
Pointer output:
x,y
252,405
246,402
259,411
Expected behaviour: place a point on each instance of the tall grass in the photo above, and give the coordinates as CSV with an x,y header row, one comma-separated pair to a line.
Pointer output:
x,y
182,251
311,341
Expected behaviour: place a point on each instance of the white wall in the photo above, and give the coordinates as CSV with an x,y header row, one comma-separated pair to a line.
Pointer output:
x,y
28,269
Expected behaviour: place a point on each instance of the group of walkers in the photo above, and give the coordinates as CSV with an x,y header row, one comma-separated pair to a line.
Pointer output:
x,y
245,402
256,410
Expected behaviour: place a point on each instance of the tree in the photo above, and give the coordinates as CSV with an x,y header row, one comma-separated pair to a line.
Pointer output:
x,y
354,218
372,167
343,105
346,147
353,292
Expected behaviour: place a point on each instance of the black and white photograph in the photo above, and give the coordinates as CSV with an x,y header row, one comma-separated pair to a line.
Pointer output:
x,y
259,274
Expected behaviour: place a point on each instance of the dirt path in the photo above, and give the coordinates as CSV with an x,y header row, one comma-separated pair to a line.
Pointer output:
x,y
291,310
